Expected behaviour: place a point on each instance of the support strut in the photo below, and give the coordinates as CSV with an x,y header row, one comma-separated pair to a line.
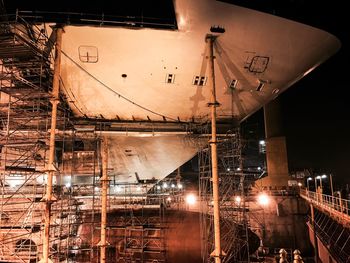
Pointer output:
x,y
214,159
104,182
48,198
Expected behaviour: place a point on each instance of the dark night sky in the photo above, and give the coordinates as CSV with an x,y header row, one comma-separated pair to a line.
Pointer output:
x,y
316,110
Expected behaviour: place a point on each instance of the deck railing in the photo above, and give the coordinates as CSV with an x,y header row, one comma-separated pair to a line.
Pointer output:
x,y
338,208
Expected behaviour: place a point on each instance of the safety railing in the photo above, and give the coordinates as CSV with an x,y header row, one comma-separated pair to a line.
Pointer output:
x,y
338,208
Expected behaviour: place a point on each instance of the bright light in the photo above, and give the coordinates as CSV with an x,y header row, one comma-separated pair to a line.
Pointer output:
x,y
165,185
138,188
68,182
263,199
259,168
191,199
96,188
238,169
158,187
324,176
117,188
179,186
309,179
42,179
13,183
262,142
318,177
172,186
168,199
300,184
238,199
228,169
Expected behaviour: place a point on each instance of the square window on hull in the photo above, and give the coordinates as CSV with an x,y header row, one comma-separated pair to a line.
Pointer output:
x,y
199,80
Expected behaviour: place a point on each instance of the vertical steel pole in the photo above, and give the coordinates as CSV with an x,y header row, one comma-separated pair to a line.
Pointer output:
x,y
51,167
332,192
104,182
321,191
314,229
214,159
316,191
315,184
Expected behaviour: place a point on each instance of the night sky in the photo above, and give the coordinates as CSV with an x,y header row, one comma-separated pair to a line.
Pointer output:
x,y
316,110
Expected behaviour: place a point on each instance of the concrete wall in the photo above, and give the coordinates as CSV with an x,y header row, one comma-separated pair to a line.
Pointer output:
x,y
323,253
277,163
282,223
276,148
181,236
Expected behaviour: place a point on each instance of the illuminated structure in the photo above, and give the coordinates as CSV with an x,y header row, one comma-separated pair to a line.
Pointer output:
x,y
145,92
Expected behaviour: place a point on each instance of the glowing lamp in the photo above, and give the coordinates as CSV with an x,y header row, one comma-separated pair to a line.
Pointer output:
x,y
191,199
238,199
263,199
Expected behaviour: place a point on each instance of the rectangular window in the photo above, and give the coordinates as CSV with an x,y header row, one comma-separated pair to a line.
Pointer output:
x,y
199,80
233,84
170,78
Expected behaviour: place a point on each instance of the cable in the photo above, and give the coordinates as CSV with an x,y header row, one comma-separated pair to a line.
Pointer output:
x,y
110,89
119,95
71,100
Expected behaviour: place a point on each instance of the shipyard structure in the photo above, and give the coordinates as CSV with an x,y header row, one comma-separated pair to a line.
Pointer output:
x,y
99,112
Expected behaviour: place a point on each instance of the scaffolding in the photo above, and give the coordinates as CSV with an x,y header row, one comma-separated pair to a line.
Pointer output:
x,y
25,112
25,82
135,218
233,207
136,225
135,234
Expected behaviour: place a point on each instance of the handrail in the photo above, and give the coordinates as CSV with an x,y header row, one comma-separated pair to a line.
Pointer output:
x,y
31,33
335,249
338,208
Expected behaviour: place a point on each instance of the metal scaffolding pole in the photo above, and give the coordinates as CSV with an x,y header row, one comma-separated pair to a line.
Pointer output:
x,y
51,167
213,144
104,193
